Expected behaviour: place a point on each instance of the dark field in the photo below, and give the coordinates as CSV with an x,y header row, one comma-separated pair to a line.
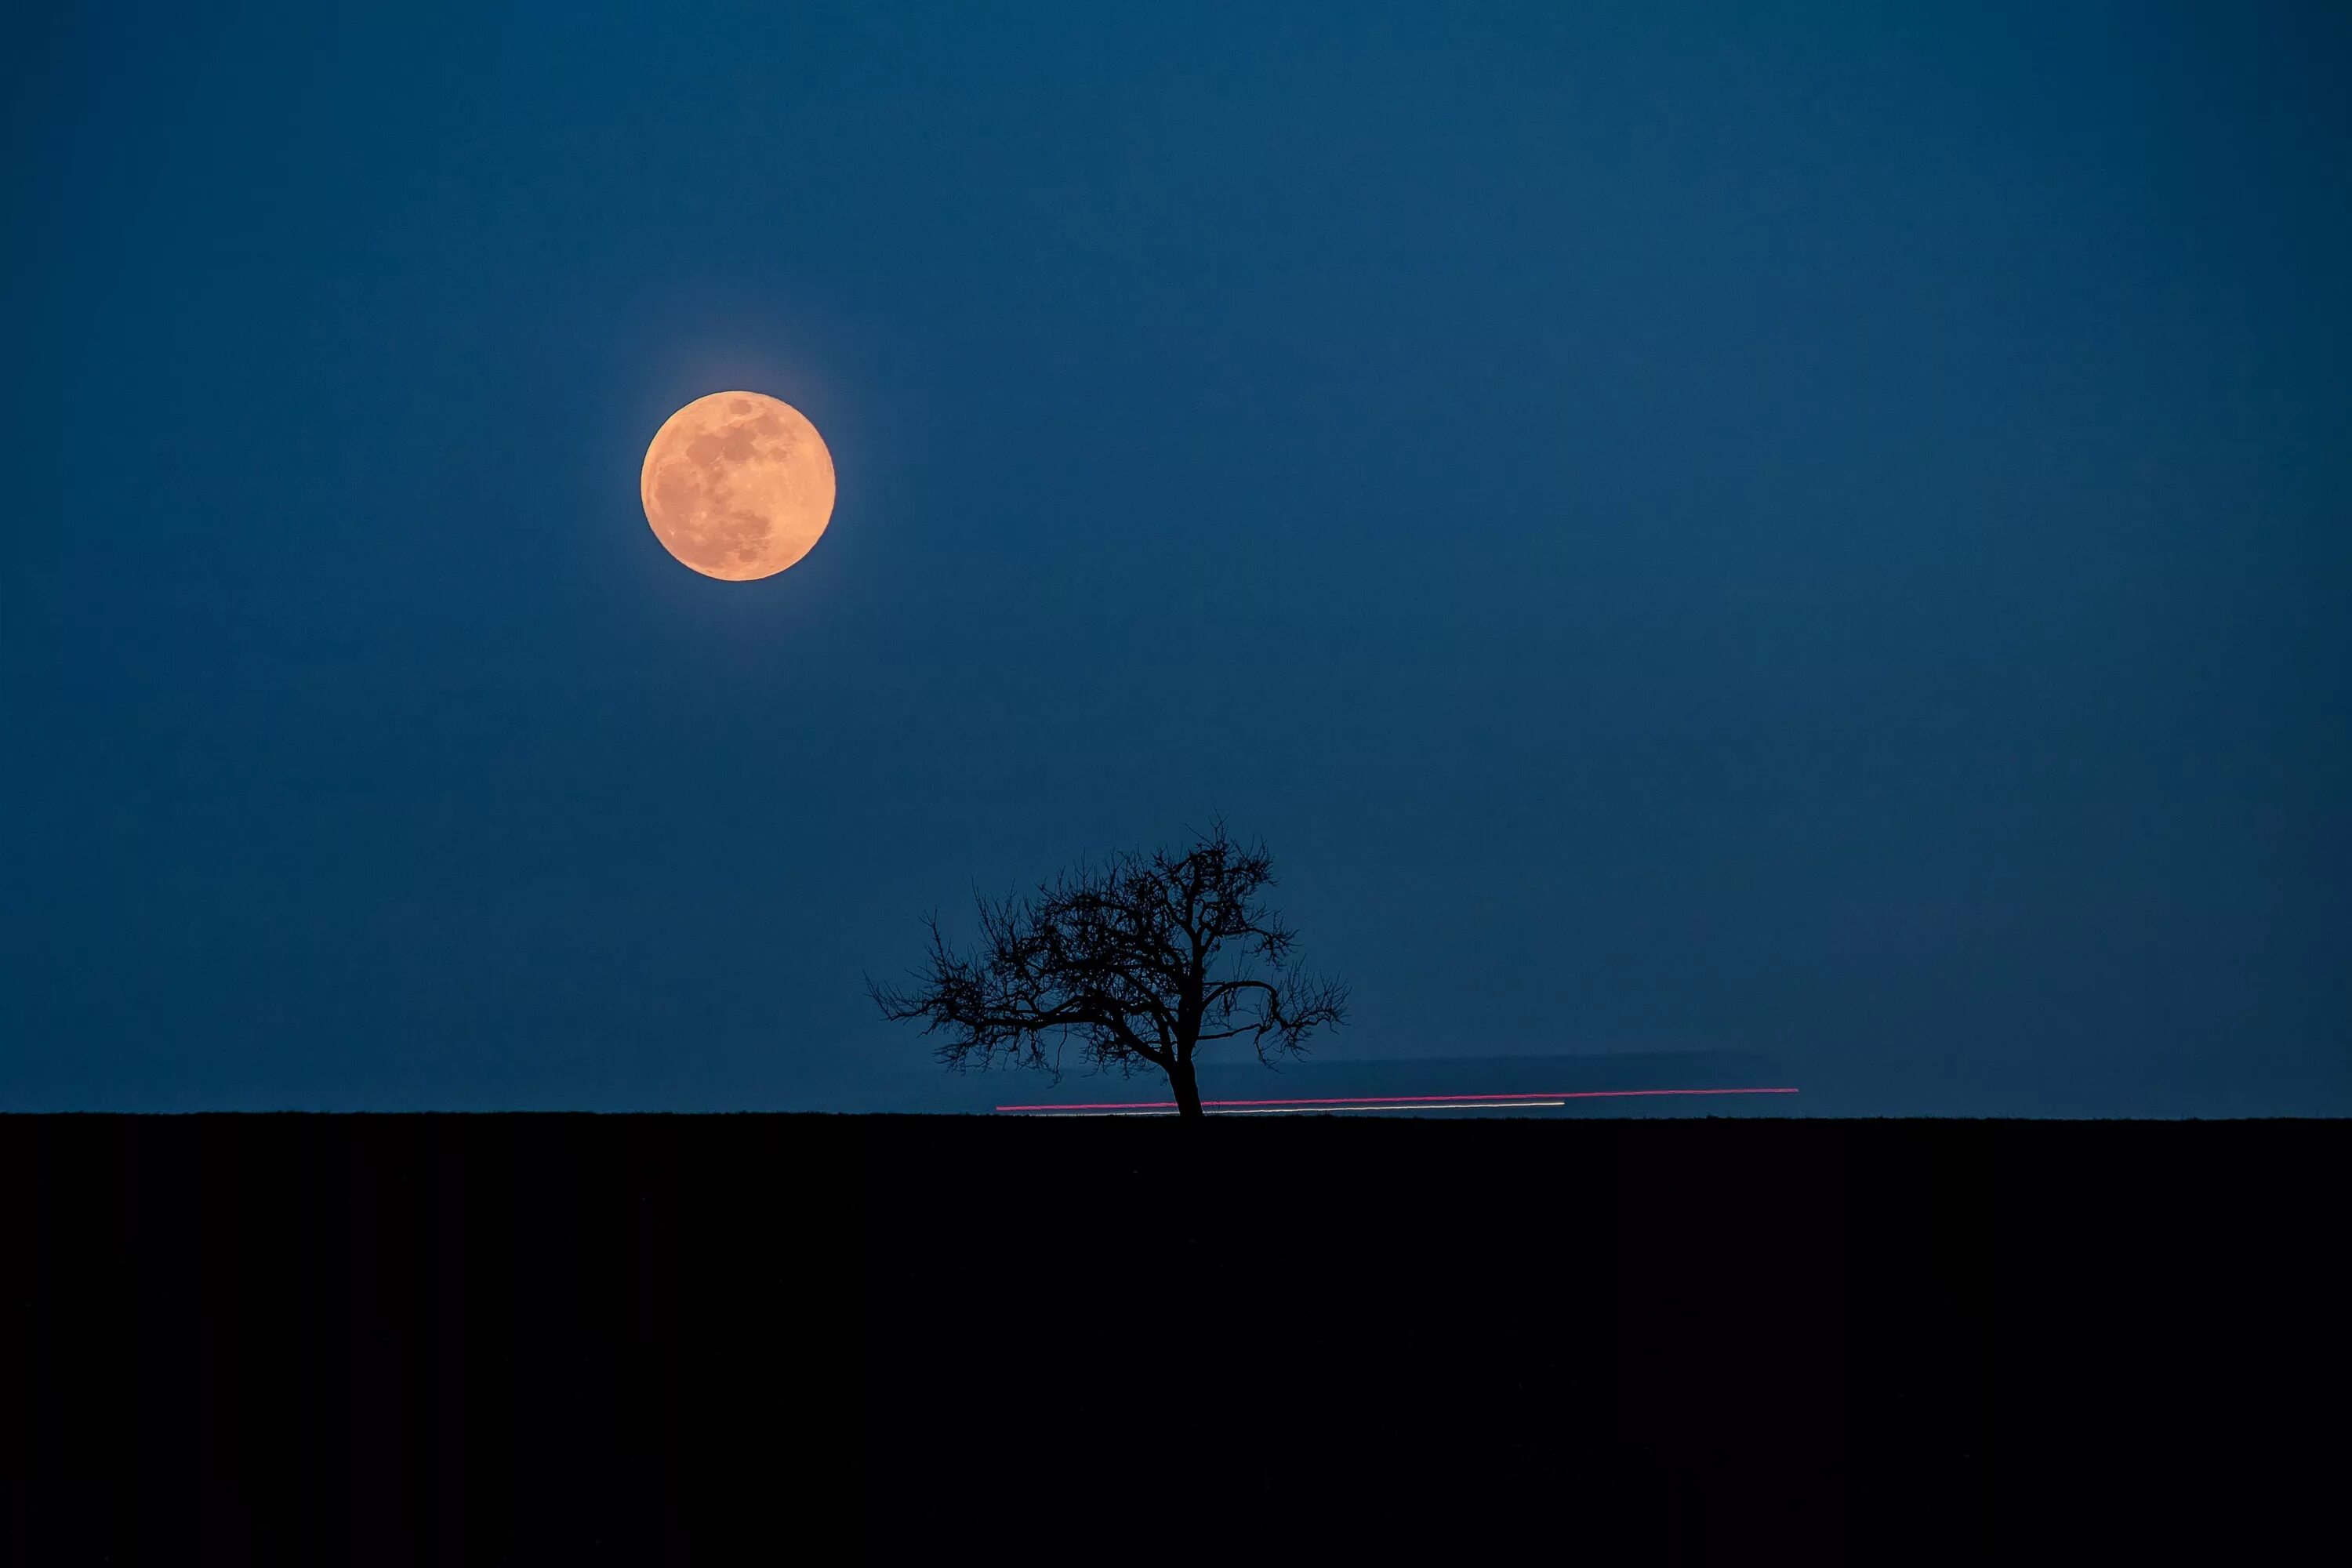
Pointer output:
x,y
667,1339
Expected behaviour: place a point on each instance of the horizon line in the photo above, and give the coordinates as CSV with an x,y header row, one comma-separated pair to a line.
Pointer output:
x,y
1554,1096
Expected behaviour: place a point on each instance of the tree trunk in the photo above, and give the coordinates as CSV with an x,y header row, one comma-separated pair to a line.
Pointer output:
x,y
1187,1091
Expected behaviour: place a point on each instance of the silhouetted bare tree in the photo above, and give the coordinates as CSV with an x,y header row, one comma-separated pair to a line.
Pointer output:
x,y
1145,959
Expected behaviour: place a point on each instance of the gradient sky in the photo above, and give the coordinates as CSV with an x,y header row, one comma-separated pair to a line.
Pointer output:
x,y
1820,529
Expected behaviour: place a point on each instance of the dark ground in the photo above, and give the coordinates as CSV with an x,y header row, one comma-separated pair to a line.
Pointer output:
x,y
664,1339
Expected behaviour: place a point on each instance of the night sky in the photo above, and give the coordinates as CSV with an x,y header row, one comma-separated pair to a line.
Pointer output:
x,y
1817,530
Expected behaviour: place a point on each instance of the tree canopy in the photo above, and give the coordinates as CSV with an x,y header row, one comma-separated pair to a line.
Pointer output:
x,y
1143,959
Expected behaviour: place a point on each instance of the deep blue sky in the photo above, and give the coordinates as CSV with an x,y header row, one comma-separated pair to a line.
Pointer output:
x,y
1818,530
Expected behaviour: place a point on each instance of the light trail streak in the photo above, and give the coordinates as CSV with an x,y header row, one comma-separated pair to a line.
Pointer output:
x,y
1306,1110
1450,1105
1534,1100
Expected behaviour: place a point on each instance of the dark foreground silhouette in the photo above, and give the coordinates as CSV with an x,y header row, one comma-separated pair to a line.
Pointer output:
x,y
652,1340
1138,960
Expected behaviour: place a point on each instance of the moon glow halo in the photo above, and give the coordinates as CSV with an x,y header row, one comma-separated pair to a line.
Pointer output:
x,y
737,485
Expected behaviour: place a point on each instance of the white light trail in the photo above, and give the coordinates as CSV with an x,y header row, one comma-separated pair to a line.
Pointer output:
x,y
1337,1109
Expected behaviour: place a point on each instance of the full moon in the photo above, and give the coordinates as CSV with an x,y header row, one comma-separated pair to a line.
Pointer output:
x,y
737,485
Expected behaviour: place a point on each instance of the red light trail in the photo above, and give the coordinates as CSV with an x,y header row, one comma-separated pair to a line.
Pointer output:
x,y
1531,1101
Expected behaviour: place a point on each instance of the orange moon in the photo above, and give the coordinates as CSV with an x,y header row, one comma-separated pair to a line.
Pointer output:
x,y
737,485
